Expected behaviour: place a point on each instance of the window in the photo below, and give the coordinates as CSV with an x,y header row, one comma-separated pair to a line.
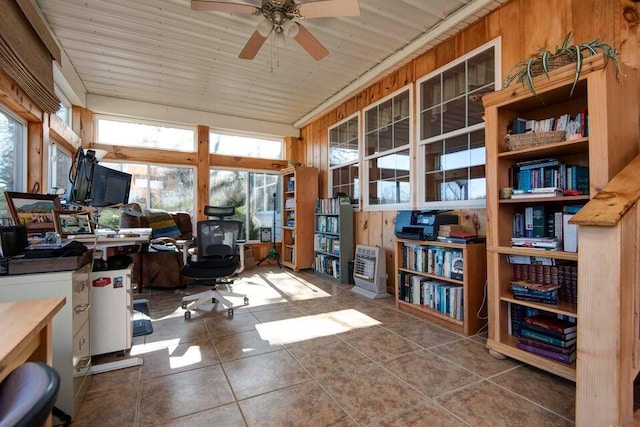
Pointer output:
x,y
451,130
64,111
252,193
59,165
145,135
344,142
13,145
387,141
236,145
170,188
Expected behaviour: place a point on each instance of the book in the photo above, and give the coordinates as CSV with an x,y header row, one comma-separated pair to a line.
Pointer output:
x,y
552,323
549,347
552,334
528,333
539,221
461,240
570,358
457,265
526,296
526,286
531,260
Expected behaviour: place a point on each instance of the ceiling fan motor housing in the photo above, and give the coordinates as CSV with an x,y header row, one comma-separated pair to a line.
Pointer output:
x,y
278,11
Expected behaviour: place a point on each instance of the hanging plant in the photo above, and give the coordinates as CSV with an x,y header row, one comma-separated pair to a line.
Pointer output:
x,y
567,53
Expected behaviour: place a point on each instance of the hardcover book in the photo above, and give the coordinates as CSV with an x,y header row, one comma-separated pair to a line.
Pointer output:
x,y
548,354
552,323
528,333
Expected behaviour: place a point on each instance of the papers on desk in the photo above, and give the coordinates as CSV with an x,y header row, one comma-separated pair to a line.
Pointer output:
x,y
59,245
123,232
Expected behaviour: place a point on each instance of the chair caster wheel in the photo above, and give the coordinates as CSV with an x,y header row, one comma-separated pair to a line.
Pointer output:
x,y
187,315
184,305
230,312
246,301
213,300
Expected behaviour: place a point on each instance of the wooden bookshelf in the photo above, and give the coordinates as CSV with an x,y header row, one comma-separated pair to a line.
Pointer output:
x,y
472,283
610,143
333,238
299,193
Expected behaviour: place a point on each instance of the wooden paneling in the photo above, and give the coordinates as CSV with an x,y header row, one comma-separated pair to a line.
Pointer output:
x,y
37,139
15,98
524,27
202,172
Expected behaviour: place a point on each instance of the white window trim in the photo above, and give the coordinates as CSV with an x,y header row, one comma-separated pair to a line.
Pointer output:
x,y
364,170
421,144
249,135
356,162
50,166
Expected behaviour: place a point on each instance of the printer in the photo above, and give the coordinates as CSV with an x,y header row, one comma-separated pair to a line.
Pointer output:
x,y
421,225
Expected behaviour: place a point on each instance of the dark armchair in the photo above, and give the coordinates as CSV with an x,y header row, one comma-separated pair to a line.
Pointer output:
x,y
162,259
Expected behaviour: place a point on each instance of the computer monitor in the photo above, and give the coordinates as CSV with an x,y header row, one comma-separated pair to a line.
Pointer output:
x,y
109,187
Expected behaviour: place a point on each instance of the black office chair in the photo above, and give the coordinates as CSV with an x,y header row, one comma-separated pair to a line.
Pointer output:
x,y
218,258
27,395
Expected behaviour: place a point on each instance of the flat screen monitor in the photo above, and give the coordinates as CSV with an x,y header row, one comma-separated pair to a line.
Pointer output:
x,y
109,187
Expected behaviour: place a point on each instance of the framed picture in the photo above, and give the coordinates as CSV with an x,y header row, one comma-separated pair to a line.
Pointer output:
x,y
72,223
265,234
34,211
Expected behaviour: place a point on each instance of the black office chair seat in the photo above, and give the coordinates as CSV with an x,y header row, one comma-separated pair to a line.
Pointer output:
x,y
28,394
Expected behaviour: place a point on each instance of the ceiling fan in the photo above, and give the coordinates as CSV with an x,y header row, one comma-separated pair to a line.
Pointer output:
x,y
281,19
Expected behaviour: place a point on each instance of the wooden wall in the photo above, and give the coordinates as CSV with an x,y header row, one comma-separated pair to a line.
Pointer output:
x,y
524,26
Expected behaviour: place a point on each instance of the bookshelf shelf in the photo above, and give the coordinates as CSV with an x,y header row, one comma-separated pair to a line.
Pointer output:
x,y
300,190
333,238
603,152
420,252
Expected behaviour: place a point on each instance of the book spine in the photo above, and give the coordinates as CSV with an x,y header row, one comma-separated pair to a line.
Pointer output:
x,y
549,325
531,298
525,332
552,334
546,353
549,347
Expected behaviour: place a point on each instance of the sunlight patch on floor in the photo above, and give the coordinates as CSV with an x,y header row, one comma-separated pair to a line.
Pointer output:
x,y
191,356
304,328
139,349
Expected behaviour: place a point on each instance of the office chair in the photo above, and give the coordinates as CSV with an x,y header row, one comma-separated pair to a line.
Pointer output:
x,y
218,258
28,394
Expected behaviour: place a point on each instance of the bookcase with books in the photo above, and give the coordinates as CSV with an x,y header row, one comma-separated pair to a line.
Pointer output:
x,y
333,238
442,282
585,136
299,193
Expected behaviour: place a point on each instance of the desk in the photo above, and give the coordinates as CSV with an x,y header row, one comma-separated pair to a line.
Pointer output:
x,y
26,332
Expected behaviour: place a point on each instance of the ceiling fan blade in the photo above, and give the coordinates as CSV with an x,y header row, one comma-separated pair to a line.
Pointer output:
x,y
329,8
310,43
220,6
252,47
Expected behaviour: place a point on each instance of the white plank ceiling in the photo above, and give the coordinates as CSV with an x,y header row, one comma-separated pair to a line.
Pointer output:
x,y
162,52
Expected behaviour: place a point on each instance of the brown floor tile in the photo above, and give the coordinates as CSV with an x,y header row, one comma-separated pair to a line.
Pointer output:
x,y
177,328
184,393
379,343
429,373
426,415
327,355
223,416
263,373
243,344
177,358
550,391
109,407
423,333
287,312
222,325
473,356
486,404
301,405
118,379
369,393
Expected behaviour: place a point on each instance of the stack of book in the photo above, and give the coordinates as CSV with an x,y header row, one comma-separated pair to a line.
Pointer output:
x,y
548,243
536,292
549,337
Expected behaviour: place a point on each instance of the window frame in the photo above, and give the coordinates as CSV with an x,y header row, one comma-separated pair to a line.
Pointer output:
x,y
133,120
248,135
410,147
422,143
357,162
22,167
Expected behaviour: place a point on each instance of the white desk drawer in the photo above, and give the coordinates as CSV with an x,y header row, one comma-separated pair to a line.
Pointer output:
x,y
81,356
80,297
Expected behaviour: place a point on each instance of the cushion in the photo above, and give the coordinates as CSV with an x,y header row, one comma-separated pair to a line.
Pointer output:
x,y
161,223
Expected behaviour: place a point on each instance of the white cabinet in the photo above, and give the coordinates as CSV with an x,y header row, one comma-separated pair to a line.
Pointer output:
x,y
71,332
111,311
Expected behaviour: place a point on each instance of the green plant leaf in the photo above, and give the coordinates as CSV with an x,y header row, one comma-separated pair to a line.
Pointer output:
x,y
578,69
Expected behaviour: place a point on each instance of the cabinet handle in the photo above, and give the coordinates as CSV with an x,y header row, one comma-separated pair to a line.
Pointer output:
x,y
82,308
83,363
81,286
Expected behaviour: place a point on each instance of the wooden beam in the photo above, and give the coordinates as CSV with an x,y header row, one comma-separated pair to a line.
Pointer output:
x,y
202,178
37,140
15,98
245,163
145,155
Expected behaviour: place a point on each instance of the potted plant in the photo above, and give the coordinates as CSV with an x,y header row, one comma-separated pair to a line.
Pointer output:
x,y
544,61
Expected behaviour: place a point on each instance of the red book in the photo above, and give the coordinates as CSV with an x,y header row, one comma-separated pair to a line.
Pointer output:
x,y
551,323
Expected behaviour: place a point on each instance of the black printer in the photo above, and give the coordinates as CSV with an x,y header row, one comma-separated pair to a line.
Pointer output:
x,y
421,225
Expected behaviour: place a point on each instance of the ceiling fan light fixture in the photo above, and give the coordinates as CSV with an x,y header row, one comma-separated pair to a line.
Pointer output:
x,y
290,28
281,40
264,28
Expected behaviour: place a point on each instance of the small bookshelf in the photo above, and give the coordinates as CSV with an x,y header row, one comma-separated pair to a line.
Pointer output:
x,y
333,238
442,282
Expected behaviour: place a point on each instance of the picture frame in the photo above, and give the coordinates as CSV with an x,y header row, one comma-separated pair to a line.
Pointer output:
x,y
265,234
34,211
72,223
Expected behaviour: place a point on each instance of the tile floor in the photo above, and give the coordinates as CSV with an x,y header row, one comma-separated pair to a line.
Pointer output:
x,y
309,352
